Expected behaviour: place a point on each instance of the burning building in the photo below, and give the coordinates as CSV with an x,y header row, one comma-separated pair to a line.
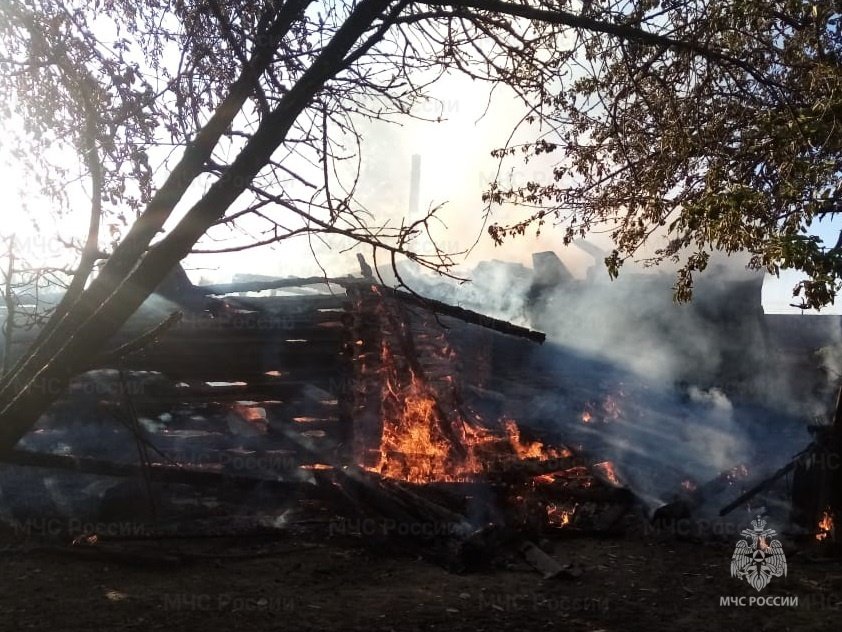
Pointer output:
x,y
347,396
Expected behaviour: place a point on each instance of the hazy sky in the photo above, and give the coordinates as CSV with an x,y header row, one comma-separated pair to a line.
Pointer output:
x,y
456,166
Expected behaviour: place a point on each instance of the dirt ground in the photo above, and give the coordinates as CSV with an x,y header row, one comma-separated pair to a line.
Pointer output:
x,y
296,582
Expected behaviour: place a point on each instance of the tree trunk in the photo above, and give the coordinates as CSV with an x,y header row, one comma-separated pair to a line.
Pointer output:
x,y
127,255
42,380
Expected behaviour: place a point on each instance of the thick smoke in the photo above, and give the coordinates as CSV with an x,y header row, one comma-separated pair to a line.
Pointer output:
x,y
672,392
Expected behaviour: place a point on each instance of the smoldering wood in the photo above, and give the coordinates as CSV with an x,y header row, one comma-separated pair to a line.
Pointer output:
x,y
760,487
613,495
365,369
327,348
435,529
519,470
685,501
814,489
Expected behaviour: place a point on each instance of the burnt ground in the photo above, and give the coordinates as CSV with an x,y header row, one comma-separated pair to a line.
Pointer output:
x,y
637,581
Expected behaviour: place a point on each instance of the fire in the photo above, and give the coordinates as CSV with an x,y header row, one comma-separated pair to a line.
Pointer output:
x,y
416,438
606,468
608,410
428,434
559,516
825,526
247,419
423,443
530,450
248,411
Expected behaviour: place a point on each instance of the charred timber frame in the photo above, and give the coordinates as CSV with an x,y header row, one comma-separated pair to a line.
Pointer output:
x,y
348,283
366,336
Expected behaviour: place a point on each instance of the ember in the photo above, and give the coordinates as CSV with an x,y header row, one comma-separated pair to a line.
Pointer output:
x,y
559,516
608,410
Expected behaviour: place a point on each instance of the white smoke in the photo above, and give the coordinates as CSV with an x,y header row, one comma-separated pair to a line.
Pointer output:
x,y
716,435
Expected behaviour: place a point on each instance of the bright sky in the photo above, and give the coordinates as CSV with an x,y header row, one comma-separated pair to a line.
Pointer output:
x,y
456,167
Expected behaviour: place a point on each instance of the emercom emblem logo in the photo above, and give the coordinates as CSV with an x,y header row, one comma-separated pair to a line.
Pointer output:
x,y
757,559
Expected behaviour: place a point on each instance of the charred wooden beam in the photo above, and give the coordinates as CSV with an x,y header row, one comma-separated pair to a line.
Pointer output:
x,y
433,305
520,470
557,491
465,315
277,284
618,495
157,472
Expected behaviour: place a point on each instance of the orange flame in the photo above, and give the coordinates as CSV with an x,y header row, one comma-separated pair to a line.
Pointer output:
x,y
559,516
415,437
606,468
825,526
530,450
426,436
420,444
